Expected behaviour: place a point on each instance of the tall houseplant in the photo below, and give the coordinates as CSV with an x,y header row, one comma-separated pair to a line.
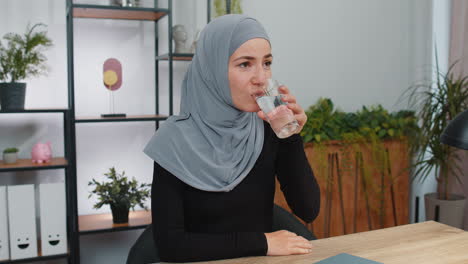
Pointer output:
x,y
436,104
22,57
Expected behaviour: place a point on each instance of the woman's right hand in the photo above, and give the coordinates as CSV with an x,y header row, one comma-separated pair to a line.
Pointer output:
x,y
283,242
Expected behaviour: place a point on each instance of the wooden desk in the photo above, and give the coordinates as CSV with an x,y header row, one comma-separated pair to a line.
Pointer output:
x,y
427,242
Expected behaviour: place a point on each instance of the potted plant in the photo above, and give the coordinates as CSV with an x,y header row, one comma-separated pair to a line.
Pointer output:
x,y
437,103
120,193
22,57
10,155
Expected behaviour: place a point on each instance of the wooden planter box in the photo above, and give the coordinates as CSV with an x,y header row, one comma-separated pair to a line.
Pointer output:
x,y
374,188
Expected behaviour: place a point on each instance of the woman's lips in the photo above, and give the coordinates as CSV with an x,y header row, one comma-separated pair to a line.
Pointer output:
x,y
257,94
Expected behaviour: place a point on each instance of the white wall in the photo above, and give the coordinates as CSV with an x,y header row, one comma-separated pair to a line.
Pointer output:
x,y
358,53
355,52
440,22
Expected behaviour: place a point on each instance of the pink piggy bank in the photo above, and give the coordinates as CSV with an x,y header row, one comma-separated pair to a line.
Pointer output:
x,y
41,153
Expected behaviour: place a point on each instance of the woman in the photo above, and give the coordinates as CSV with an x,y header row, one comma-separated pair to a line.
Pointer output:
x,y
215,163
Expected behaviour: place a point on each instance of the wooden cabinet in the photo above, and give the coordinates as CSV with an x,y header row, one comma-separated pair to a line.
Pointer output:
x,y
360,189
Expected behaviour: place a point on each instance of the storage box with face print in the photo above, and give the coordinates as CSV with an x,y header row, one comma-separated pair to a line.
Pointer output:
x,y
22,221
53,218
4,240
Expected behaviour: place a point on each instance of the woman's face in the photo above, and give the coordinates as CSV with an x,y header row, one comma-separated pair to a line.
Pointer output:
x,y
249,68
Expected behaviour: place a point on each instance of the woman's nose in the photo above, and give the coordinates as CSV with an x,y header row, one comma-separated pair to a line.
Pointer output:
x,y
260,76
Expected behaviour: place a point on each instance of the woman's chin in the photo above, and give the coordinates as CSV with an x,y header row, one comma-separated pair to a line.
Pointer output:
x,y
249,108
254,108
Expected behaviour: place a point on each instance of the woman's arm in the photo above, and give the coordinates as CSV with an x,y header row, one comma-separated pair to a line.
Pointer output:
x,y
177,245
296,178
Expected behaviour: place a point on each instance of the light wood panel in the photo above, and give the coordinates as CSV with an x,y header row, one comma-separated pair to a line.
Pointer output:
x,y
129,117
28,164
427,242
80,12
101,222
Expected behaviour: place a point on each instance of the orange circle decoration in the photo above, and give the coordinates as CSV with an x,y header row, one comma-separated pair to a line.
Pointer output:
x,y
112,74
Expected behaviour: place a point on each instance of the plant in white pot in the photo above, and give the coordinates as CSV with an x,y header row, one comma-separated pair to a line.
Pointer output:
x,y
437,104
20,58
120,193
10,155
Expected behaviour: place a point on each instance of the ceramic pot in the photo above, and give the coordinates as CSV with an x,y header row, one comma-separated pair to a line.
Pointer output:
x,y
10,158
448,212
12,96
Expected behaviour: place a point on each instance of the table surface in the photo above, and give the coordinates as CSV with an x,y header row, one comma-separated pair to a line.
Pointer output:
x,y
426,242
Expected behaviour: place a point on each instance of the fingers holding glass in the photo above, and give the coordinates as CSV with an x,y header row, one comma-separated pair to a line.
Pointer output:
x,y
275,109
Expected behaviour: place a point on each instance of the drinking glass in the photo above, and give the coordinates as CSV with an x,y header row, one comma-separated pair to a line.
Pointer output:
x,y
278,115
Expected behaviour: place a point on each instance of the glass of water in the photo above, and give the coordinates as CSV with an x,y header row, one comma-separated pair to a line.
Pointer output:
x,y
280,117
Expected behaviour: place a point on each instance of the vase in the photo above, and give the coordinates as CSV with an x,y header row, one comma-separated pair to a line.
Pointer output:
x,y
119,214
12,96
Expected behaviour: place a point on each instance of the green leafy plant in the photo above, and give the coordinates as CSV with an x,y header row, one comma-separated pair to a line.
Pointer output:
x,y
220,7
360,137
437,103
10,150
325,123
120,191
22,56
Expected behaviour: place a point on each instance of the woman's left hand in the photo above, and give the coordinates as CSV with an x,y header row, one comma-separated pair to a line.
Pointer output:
x,y
297,110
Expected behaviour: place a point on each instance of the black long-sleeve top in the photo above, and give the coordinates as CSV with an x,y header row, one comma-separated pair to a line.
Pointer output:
x,y
194,225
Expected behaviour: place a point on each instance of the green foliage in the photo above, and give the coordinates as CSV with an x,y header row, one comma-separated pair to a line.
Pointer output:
x,y
360,139
220,7
437,103
324,123
22,56
10,150
120,191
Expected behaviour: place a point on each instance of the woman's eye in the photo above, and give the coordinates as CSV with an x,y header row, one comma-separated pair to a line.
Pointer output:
x,y
244,64
268,64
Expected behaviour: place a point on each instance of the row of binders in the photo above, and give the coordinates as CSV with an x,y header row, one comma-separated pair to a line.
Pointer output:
x,y
18,227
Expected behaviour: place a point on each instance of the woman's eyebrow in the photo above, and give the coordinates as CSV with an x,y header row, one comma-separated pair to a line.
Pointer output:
x,y
253,58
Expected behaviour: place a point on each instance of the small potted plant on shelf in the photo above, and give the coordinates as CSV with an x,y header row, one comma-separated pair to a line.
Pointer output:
x,y
10,155
120,193
22,57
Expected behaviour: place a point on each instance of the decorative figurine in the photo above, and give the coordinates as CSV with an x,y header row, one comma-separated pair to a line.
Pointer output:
x,y
112,78
41,153
179,34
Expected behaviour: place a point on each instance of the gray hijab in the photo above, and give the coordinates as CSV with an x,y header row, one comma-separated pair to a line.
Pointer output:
x,y
211,145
